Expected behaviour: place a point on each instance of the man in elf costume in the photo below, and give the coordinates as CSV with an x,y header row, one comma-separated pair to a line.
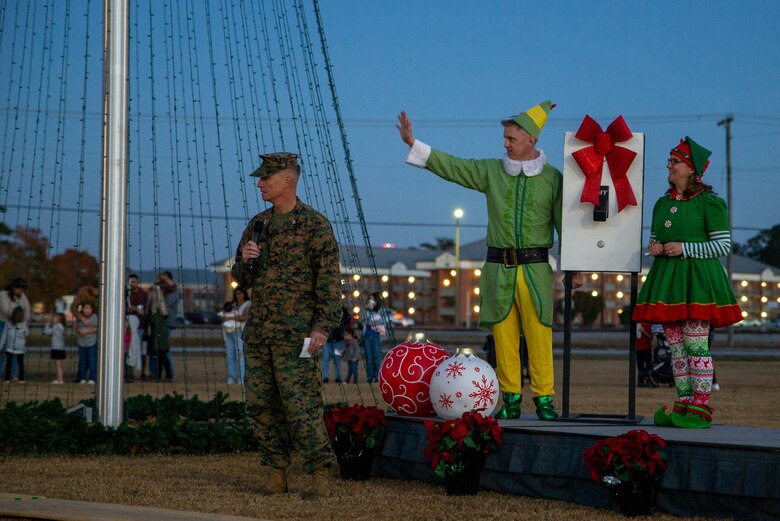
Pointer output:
x,y
523,194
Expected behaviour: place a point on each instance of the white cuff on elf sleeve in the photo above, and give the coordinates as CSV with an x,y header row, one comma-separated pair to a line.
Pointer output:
x,y
418,154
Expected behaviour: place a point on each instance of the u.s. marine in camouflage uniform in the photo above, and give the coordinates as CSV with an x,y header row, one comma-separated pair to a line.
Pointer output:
x,y
295,294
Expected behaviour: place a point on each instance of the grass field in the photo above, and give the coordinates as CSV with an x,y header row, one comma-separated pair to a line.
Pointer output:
x,y
226,484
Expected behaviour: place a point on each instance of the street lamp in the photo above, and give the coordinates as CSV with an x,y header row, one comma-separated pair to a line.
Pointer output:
x,y
458,214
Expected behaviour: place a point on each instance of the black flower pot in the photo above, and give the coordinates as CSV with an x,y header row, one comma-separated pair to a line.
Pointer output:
x,y
465,482
636,499
357,468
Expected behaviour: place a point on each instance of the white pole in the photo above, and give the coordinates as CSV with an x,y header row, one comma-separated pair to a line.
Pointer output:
x,y
458,213
457,272
468,308
113,238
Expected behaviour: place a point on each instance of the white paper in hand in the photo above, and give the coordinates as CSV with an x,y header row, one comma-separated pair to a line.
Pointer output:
x,y
305,351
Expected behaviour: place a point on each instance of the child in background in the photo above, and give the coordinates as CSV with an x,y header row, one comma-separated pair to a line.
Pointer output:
x,y
15,342
57,331
86,337
231,335
351,355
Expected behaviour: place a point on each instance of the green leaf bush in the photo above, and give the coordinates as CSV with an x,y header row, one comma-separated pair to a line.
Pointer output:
x,y
168,425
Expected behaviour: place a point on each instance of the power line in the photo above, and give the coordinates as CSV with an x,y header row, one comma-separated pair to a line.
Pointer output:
x,y
754,119
241,218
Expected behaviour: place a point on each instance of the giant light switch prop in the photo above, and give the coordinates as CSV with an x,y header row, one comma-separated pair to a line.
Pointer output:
x,y
602,240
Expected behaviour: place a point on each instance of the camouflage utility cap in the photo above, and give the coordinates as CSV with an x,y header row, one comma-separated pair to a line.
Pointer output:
x,y
275,162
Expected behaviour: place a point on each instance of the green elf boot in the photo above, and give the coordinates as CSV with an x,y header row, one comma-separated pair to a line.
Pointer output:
x,y
662,419
698,417
511,408
544,408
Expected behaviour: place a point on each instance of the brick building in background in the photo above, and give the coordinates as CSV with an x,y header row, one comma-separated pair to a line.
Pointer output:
x,y
422,285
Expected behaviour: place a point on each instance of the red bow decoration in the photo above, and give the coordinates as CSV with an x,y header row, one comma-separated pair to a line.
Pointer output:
x,y
591,160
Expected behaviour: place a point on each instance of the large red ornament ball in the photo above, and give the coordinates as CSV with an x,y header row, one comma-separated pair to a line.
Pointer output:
x,y
405,377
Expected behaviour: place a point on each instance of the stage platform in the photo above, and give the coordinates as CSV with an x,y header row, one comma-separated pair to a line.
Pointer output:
x,y
723,471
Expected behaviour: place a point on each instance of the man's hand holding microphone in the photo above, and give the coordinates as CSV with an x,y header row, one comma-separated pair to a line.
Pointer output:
x,y
251,250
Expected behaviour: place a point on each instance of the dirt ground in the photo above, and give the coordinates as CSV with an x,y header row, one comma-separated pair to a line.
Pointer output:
x,y
598,385
227,483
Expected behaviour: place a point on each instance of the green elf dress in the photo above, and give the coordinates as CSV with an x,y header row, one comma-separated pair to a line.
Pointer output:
x,y
693,285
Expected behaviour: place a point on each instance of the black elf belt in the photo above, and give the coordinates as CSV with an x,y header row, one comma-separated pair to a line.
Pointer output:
x,y
511,257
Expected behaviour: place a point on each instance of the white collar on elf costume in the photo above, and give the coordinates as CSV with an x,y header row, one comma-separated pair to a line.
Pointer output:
x,y
530,168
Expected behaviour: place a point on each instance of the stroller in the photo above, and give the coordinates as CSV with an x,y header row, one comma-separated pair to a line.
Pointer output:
x,y
661,370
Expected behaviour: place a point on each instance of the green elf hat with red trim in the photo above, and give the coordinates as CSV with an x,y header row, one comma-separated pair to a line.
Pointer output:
x,y
692,154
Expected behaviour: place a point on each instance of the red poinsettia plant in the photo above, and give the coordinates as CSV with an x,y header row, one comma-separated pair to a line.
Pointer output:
x,y
452,443
633,457
352,429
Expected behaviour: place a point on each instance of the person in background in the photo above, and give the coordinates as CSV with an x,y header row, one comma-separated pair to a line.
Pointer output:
x,y
351,355
373,329
158,334
127,338
230,337
11,297
687,289
644,354
16,343
132,347
242,303
289,258
334,349
137,300
87,340
88,293
134,354
57,331
489,347
170,292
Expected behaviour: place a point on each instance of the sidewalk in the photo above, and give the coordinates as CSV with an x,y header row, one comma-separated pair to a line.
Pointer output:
x,y
37,507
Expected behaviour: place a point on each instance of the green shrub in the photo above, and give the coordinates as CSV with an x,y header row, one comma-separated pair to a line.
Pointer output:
x,y
170,425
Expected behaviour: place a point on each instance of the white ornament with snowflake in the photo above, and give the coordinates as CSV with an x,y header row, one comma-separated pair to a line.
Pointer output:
x,y
463,383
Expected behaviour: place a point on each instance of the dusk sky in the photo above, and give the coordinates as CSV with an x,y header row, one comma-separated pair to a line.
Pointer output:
x,y
671,69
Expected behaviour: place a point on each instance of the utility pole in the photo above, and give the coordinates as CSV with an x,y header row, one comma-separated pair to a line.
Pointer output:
x,y
726,122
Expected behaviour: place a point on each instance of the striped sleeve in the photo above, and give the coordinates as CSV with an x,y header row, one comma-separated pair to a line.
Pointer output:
x,y
718,246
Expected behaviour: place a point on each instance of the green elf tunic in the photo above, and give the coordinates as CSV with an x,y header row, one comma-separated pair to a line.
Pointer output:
x,y
693,285
523,208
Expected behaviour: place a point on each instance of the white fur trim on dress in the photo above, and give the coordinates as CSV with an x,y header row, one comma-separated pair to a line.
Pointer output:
x,y
531,167
418,154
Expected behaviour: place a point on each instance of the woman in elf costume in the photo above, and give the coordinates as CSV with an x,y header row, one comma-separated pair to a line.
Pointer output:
x,y
687,289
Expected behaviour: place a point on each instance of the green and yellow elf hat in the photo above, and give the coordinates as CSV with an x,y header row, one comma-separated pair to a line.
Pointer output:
x,y
533,119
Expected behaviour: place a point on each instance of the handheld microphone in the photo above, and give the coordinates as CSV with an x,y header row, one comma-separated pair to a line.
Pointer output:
x,y
257,236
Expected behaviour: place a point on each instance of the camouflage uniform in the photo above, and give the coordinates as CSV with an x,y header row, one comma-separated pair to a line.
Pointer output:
x,y
295,290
